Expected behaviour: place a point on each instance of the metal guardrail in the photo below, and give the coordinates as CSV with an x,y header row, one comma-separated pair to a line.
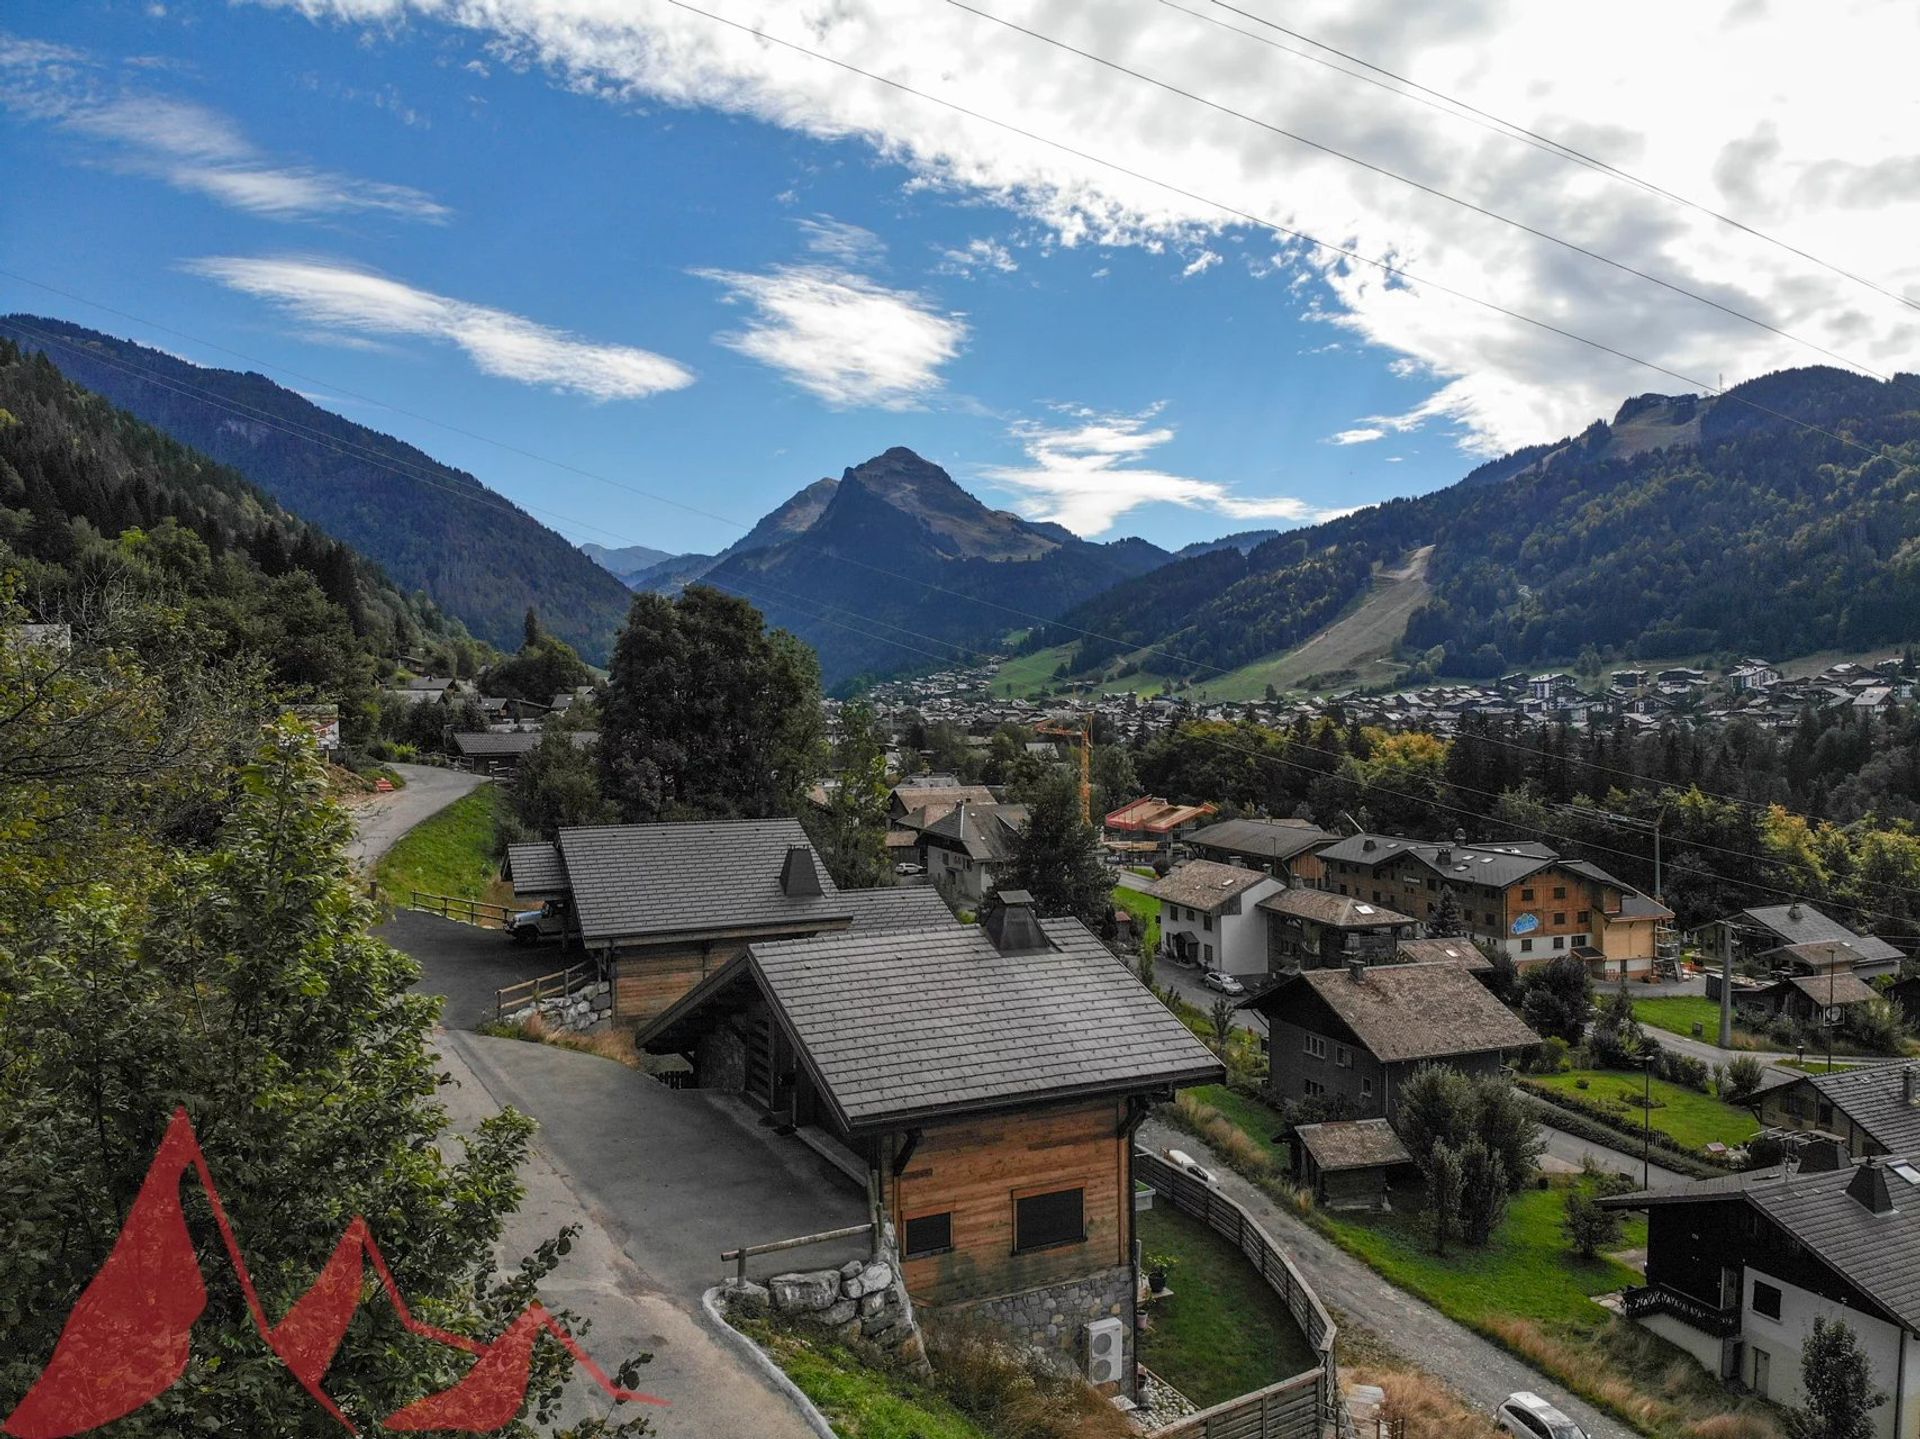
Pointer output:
x,y
557,985
739,1257
1292,1408
468,911
1696,1313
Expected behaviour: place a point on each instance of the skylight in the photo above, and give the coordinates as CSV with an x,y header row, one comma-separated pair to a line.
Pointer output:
x,y
1906,1171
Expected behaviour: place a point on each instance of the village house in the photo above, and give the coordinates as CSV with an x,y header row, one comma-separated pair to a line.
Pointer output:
x,y
501,752
1796,938
1279,846
1346,1163
993,1128
1871,1110
1315,929
660,906
1210,915
966,849
1739,1268
1347,1039
1521,896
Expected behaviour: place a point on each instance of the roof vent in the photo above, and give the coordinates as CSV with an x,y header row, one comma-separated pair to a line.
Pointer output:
x,y
1009,921
798,878
1793,911
1368,845
1357,970
1868,1188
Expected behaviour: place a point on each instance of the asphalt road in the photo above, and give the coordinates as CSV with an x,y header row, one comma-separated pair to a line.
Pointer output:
x,y
466,964
1571,1149
381,819
1480,1370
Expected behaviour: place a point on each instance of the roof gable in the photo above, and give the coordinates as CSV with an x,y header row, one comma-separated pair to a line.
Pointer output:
x,y
1403,1012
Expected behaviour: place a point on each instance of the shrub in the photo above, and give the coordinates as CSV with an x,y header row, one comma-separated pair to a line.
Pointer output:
x,y
1588,1227
1483,1191
1681,1069
1743,1079
1013,1394
1549,1056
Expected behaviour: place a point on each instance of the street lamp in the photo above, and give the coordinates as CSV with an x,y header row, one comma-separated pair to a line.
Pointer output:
x,y
1646,1119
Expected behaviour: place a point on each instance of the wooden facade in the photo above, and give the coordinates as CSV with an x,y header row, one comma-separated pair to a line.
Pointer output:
x,y
977,1170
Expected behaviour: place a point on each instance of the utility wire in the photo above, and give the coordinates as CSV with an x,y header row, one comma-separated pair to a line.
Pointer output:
x,y
1437,193
1532,137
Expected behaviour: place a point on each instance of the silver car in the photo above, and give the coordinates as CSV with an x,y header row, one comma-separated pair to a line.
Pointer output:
x,y
1528,1416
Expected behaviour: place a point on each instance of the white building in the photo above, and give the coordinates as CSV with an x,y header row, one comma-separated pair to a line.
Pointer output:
x,y
1210,913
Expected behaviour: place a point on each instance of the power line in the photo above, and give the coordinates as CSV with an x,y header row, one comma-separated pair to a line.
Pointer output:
x,y
1437,193
1534,138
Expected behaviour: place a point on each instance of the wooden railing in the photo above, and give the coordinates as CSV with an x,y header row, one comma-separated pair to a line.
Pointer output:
x,y
1696,1313
548,986
1293,1408
467,911
738,1257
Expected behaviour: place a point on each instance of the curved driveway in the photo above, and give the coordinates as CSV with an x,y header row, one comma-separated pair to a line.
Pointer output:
x,y
381,819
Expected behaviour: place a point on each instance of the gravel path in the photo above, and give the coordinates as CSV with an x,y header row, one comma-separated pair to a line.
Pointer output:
x,y
379,821
1482,1371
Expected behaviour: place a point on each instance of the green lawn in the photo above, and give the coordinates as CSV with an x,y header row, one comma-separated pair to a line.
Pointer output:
x,y
1679,1015
1222,1332
861,1403
1143,907
1525,1272
1030,674
451,853
1259,1122
1692,1119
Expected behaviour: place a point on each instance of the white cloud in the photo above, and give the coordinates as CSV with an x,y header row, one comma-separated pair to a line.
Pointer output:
x,y
975,255
840,242
1085,474
353,304
1200,264
183,143
1358,436
1828,176
842,336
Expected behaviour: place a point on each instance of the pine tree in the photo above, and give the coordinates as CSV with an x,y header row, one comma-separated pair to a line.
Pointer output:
x,y
1056,857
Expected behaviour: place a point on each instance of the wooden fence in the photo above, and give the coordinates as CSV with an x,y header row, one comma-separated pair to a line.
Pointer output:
x,y
467,911
548,986
1300,1407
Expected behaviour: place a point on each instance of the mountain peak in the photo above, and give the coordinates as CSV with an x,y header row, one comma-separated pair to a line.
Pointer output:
x,y
960,525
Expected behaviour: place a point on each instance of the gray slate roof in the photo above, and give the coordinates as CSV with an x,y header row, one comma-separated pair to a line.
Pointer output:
x,y
1272,839
1803,924
911,1025
512,742
1498,865
1875,1099
1406,1012
986,831
1442,951
632,881
1345,1144
1339,911
898,910
1207,884
536,869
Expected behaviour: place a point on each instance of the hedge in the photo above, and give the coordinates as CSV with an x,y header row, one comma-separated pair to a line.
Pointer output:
x,y
1578,1118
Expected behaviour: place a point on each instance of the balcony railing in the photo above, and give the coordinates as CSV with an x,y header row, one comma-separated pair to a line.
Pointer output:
x,y
1695,1313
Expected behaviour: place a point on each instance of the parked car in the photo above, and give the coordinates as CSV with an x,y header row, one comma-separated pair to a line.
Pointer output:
x,y
1225,983
1528,1416
907,867
1187,1164
530,926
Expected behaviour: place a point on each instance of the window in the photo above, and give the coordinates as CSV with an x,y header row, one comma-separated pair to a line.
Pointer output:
x,y
1041,1221
1366,1088
1206,954
1316,1046
1206,923
1559,941
1560,917
1492,921
1526,946
1314,1088
1343,1056
1526,896
1559,891
929,1234
1766,1299
1583,917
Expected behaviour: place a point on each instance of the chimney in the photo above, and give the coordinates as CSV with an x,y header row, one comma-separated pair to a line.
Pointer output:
x,y
1868,1188
1443,855
1822,1154
798,878
1009,921
1459,836
1793,911
1368,845
1910,1084
1357,970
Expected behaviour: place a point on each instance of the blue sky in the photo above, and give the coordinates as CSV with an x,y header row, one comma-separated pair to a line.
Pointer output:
x,y
655,251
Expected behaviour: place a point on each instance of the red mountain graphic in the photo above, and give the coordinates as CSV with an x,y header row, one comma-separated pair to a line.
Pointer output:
x,y
129,1337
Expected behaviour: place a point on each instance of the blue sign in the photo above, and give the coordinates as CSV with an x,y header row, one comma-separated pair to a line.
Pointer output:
x,y
1525,923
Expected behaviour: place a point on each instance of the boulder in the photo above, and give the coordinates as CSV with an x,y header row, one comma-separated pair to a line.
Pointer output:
x,y
872,1303
746,1297
873,1278
806,1291
838,1314
852,1268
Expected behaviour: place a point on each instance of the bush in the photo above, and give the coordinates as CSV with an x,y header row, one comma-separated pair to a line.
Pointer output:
x,y
1549,1056
1743,1079
1681,1069
1588,1227
1555,998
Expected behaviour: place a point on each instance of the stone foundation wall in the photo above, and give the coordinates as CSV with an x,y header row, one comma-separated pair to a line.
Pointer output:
x,y
1053,1318
721,1059
862,1303
582,1009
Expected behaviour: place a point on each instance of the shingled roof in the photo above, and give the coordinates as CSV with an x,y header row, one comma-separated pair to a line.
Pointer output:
x,y
1803,924
912,1026
1270,839
633,881
1345,1144
536,869
1875,1099
985,831
1338,911
1207,884
898,910
1404,1012
1442,951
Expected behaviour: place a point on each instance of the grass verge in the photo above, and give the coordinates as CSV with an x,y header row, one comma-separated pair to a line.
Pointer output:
x,y
1679,1014
615,1044
451,853
1221,1332
859,1401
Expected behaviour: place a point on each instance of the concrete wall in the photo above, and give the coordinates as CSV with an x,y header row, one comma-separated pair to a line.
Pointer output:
x,y
1781,1339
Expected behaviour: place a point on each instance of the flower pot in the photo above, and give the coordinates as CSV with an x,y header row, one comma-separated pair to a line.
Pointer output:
x,y
1157,1280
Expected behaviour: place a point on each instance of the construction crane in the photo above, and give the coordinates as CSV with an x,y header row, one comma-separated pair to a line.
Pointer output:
x,y
1083,733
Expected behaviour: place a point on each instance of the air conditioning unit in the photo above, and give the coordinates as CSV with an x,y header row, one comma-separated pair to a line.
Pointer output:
x,y
1106,1352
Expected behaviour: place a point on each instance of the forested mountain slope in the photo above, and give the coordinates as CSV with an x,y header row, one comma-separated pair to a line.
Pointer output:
x,y
93,500
1781,518
431,527
902,569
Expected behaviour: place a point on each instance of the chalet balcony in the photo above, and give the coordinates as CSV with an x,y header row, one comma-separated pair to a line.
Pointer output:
x,y
1652,1299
